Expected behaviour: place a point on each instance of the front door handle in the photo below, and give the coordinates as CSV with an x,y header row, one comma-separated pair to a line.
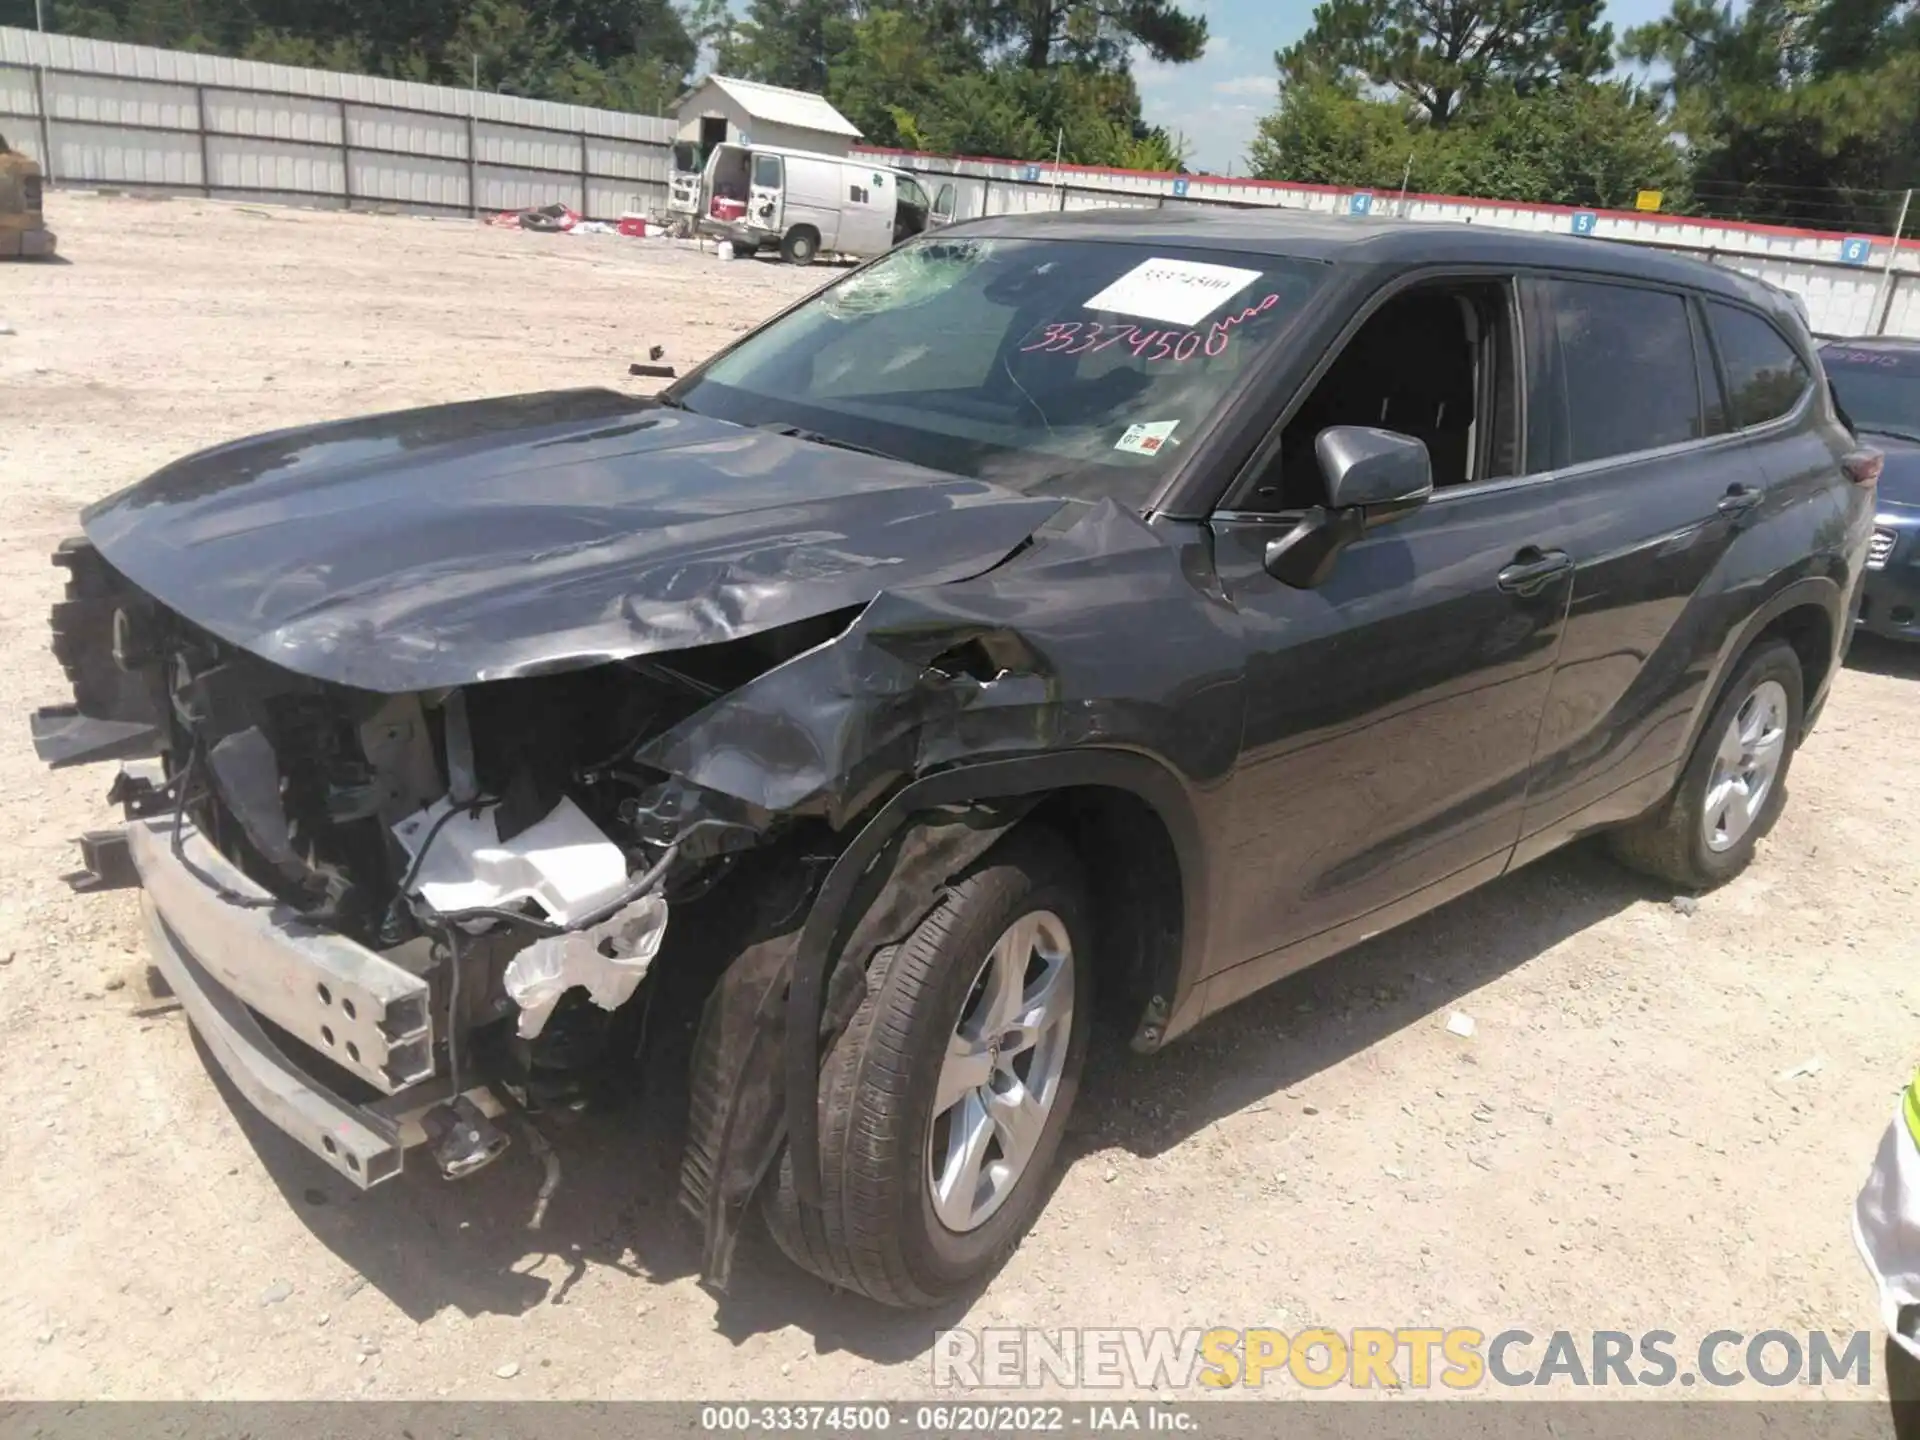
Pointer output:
x,y
1738,500
1533,570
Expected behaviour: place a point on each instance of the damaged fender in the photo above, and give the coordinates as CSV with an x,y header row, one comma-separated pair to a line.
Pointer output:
x,y
974,698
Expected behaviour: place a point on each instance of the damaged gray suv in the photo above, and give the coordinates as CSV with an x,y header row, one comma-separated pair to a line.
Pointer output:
x,y
1134,605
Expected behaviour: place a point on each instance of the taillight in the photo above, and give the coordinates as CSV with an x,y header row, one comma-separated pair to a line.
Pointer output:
x,y
1863,466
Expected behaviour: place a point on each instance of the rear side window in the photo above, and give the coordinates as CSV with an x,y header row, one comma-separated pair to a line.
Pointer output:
x,y
1625,378
766,171
1765,379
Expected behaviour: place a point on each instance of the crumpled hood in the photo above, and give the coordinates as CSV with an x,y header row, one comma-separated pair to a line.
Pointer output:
x,y
478,541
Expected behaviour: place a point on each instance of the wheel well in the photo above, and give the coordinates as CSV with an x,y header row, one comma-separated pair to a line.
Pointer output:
x,y
1809,630
1135,891
806,230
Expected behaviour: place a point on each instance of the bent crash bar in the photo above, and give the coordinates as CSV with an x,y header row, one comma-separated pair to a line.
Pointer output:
x,y
232,954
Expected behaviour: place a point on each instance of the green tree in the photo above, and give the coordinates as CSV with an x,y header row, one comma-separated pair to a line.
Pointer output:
x,y
891,71
1041,33
716,33
1801,111
1581,143
1440,55
1578,143
791,42
1325,132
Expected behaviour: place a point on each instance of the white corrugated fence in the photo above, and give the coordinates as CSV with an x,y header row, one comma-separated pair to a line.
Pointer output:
x,y
94,112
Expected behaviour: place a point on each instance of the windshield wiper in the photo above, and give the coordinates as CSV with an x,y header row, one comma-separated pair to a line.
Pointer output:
x,y
799,432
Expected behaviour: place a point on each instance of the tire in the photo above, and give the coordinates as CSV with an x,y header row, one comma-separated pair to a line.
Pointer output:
x,y
1672,843
881,1230
800,246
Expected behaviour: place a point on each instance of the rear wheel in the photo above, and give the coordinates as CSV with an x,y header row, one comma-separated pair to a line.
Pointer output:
x,y
800,246
943,1104
1734,785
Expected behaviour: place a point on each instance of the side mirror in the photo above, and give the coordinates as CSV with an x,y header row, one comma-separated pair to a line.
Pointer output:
x,y
1374,468
1374,477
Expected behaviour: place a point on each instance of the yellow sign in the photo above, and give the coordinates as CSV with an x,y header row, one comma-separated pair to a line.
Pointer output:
x,y
1647,200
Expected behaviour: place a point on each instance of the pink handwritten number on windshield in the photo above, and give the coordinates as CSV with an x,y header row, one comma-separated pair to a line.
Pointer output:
x,y
1072,337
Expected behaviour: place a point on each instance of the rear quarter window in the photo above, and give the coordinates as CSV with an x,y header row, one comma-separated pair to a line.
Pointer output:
x,y
1628,379
1765,377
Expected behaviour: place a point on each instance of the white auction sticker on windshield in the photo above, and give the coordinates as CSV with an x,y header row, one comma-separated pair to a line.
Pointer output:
x,y
1176,292
1146,439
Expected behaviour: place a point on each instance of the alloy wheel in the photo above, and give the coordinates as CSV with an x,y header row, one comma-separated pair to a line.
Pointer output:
x,y
1002,1071
1745,766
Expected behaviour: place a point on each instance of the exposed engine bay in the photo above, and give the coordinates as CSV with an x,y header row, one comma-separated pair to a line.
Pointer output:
x,y
507,826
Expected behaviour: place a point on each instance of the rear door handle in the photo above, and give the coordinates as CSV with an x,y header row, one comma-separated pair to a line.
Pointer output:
x,y
1532,570
1738,500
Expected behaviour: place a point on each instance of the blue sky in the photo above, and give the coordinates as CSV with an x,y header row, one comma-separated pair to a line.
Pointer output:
x,y
1216,101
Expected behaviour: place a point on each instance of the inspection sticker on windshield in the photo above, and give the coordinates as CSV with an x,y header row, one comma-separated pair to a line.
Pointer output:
x,y
1146,439
1178,292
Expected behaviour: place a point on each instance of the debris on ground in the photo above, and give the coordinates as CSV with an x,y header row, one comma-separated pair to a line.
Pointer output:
x,y
276,1292
657,372
550,1181
508,1370
1685,904
656,352
1460,1023
549,219
1804,1070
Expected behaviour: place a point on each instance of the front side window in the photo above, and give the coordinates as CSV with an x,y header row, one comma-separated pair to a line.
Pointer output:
x,y
1625,377
1434,363
1878,387
911,194
1070,366
1765,378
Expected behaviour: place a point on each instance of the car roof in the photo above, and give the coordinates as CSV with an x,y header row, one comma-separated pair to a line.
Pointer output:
x,y
1340,239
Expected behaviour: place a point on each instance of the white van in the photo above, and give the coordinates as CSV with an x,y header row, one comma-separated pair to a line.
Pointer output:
x,y
804,204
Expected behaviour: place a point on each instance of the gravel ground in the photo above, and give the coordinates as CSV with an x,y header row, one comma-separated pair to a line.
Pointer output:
x,y
1659,1122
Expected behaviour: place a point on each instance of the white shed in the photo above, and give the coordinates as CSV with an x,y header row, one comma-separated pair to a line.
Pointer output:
x,y
721,110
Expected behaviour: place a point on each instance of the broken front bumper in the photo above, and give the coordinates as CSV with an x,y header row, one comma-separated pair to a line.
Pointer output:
x,y
236,959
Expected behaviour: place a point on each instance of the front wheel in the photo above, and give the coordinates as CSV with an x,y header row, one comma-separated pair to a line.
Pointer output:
x,y
1734,786
943,1105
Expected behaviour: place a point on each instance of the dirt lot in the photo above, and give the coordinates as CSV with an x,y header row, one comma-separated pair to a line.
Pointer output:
x,y
1614,1148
